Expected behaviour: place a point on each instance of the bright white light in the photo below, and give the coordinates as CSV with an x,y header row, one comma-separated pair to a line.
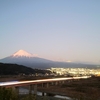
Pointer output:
x,y
38,81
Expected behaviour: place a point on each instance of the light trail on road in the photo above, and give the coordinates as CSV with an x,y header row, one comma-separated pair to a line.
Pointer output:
x,y
15,83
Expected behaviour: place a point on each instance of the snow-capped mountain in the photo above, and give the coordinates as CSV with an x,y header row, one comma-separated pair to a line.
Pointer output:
x,y
22,53
22,57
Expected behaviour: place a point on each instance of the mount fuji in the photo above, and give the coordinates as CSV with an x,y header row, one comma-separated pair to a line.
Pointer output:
x,y
22,57
22,53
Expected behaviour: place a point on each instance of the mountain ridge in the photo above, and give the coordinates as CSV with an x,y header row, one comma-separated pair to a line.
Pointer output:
x,y
15,69
24,58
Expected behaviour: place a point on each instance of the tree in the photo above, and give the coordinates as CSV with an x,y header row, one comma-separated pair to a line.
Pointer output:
x,y
8,94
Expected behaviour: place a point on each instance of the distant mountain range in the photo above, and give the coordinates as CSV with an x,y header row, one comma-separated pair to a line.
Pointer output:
x,y
24,58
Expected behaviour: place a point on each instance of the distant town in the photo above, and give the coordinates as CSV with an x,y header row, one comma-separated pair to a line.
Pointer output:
x,y
75,71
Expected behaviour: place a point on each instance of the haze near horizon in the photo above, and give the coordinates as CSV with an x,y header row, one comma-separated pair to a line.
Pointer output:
x,y
59,30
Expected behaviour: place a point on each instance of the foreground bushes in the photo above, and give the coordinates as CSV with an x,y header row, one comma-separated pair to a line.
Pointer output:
x,y
8,94
11,94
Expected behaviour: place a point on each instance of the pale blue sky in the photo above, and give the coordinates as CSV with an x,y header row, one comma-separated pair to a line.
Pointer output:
x,y
59,30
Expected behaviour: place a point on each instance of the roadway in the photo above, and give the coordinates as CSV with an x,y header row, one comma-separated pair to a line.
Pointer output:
x,y
21,83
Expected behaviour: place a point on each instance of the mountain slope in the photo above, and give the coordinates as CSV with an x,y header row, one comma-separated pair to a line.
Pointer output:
x,y
14,69
24,58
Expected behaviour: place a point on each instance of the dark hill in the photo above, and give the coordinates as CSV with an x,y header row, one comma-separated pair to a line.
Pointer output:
x,y
14,69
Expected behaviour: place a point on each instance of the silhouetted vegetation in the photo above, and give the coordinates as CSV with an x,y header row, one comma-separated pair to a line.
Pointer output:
x,y
14,69
29,97
7,94
11,94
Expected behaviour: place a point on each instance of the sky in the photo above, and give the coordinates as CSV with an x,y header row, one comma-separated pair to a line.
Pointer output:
x,y
59,30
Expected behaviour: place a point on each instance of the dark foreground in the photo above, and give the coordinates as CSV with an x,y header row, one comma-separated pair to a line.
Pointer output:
x,y
32,97
82,89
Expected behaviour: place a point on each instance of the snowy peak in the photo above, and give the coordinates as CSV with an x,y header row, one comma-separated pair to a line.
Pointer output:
x,y
22,53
